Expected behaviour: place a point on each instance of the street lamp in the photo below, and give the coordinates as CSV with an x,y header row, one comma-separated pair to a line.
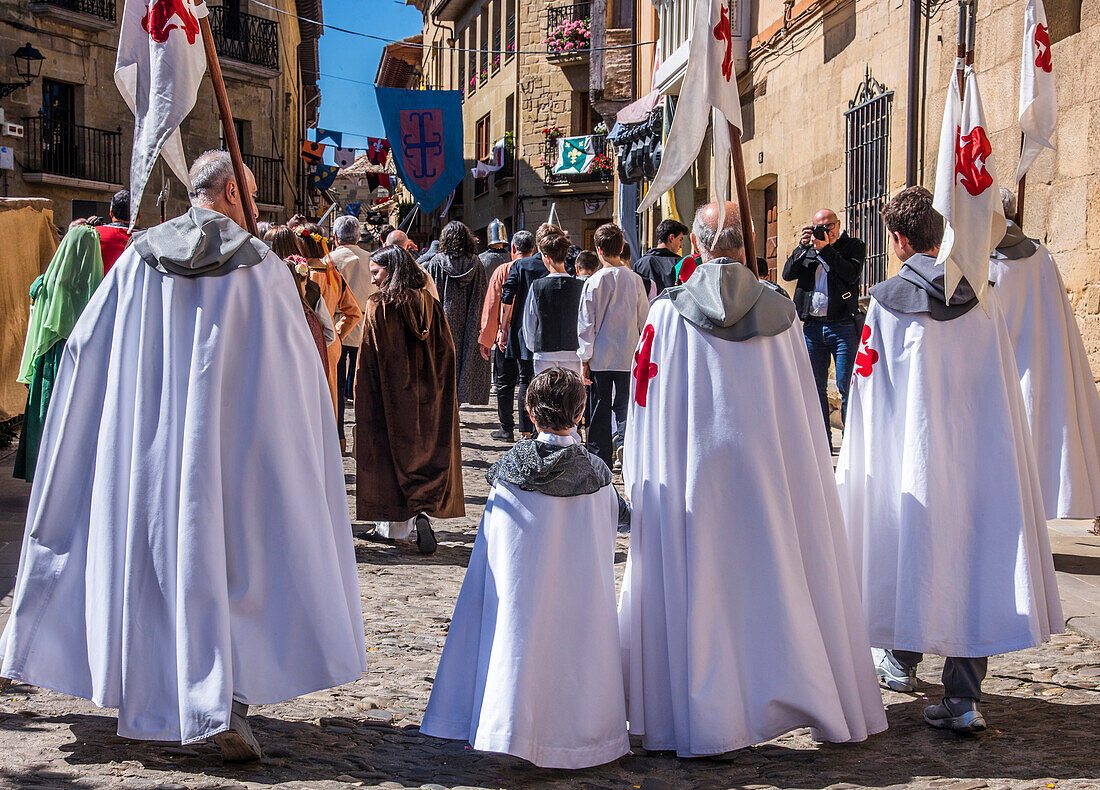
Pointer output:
x,y
28,65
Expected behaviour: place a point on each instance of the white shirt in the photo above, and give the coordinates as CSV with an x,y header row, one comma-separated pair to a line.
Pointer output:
x,y
353,262
614,306
819,300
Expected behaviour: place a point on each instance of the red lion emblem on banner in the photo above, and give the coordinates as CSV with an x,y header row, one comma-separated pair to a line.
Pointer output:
x,y
157,21
971,152
722,32
1042,48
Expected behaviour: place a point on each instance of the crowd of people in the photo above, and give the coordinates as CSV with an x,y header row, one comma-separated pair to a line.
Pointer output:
x,y
762,592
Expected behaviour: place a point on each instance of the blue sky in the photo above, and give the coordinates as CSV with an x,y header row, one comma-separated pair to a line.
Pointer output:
x,y
350,106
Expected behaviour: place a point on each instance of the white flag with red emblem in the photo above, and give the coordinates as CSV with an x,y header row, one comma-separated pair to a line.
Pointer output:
x,y
1038,104
709,82
158,71
967,194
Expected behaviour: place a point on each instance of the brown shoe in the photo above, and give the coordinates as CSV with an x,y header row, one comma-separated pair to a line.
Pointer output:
x,y
238,744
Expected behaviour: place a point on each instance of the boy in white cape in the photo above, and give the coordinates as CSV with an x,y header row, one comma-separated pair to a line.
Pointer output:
x,y
938,479
531,666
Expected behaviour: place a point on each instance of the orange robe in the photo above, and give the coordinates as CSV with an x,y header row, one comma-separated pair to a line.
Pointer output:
x,y
345,314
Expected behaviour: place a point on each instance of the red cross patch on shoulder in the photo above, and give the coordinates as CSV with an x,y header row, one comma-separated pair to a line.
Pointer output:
x,y
644,370
867,356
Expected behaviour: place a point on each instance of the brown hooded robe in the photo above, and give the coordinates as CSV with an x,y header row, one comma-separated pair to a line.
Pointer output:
x,y
407,451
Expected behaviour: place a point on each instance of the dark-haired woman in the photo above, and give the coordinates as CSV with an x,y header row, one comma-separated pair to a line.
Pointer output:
x,y
282,243
407,452
462,284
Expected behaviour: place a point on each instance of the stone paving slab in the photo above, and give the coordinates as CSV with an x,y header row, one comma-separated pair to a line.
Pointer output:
x,y
1043,705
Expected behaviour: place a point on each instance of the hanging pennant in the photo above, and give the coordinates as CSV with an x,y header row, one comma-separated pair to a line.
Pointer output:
x,y
345,157
312,152
354,209
378,150
323,177
324,134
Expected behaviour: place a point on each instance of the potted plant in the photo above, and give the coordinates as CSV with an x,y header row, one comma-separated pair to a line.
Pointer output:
x,y
570,36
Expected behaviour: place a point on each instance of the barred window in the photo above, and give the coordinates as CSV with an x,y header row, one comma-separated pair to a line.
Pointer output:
x,y
867,169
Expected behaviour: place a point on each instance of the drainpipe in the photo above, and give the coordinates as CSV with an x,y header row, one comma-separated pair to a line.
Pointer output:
x,y
912,105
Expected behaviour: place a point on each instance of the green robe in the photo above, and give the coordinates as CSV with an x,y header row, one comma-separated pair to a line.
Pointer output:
x,y
34,418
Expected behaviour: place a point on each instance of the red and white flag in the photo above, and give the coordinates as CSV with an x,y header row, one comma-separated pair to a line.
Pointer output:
x,y
158,71
1038,104
709,83
967,194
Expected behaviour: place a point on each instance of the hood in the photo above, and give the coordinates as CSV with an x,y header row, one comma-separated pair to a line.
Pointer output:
x,y
549,469
1014,245
200,243
461,269
725,299
417,314
427,254
920,288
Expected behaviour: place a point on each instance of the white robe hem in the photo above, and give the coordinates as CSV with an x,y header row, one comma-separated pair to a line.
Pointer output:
x,y
744,743
965,650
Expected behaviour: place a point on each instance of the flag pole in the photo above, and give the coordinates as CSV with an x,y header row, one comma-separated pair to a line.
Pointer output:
x,y
228,129
960,51
738,156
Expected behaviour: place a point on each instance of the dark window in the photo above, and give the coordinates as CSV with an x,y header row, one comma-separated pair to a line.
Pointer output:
x,y
484,44
496,56
471,56
510,31
462,64
867,169
1064,18
242,130
582,113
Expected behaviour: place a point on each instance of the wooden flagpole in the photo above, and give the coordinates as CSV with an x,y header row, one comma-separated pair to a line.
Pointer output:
x,y
228,129
742,187
1019,218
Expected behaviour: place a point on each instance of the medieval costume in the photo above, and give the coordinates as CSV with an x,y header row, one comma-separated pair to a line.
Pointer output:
x,y
59,297
190,471
406,414
462,284
1063,407
939,484
550,322
740,614
531,666
345,312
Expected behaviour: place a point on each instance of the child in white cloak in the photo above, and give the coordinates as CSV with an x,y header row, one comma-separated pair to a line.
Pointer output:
x,y
531,666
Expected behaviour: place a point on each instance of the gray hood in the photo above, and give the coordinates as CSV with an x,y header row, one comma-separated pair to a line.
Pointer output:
x,y
460,269
725,299
200,243
550,469
1015,246
920,287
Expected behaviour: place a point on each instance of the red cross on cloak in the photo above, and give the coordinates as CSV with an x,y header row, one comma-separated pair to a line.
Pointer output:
x,y
644,369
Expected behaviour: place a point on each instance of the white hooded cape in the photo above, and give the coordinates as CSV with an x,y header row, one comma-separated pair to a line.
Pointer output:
x,y
188,539
740,615
531,664
940,490
1063,407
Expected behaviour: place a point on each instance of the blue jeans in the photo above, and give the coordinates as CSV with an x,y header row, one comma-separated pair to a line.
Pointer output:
x,y
837,340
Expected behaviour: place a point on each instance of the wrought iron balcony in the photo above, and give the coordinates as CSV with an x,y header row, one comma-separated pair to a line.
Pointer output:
x,y
63,148
600,148
568,30
104,9
245,37
269,178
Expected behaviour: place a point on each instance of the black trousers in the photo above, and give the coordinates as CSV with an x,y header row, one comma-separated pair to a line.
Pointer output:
x,y
505,375
345,381
526,373
611,390
962,677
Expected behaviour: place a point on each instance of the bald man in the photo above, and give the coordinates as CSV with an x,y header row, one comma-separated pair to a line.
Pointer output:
x,y
826,266
398,238
740,615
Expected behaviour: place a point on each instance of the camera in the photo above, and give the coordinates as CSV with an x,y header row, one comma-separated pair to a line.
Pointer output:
x,y
821,232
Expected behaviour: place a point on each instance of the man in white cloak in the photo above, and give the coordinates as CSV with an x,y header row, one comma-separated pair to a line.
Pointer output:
x,y
1063,407
739,616
938,479
188,546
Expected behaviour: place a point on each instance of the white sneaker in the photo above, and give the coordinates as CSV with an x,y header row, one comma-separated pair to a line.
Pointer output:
x,y
893,675
238,744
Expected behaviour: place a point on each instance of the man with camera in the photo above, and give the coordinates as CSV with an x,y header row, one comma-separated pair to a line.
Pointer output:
x,y
826,266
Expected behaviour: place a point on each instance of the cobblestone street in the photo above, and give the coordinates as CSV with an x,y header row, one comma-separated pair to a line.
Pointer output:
x,y
1043,706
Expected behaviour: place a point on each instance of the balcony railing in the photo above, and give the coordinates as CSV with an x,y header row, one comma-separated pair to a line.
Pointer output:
x,y
559,44
63,148
269,178
244,37
508,167
104,9
599,146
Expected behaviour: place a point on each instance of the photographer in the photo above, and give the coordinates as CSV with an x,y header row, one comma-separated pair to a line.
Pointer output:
x,y
826,266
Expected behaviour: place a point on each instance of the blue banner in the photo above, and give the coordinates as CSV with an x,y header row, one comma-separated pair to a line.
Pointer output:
x,y
424,129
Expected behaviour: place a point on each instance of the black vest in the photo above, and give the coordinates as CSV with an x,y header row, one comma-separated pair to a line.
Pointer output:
x,y
557,302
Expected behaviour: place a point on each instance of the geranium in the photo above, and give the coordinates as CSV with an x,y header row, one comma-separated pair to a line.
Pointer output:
x,y
571,35
602,165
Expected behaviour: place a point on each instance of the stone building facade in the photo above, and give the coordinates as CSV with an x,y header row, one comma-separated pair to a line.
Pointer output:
x,y
78,131
513,89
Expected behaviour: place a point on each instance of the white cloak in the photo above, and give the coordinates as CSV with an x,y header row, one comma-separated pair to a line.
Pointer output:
x,y
531,664
188,539
940,490
740,616
1062,403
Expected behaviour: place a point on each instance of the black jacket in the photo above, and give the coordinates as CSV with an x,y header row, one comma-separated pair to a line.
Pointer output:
x,y
843,262
557,301
523,273
657,267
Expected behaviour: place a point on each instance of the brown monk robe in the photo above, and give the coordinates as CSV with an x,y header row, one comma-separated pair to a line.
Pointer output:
x,y
407,449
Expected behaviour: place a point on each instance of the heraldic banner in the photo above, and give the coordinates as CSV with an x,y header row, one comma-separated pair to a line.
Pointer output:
x,y
426,148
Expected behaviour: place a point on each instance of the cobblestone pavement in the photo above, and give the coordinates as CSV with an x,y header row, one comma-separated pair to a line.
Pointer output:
x,y
1043,706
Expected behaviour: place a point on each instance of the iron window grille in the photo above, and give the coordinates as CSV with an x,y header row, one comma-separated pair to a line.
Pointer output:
x,y
867,174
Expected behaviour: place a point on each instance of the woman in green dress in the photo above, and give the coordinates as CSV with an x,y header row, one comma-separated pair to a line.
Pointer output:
x,y
59,297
